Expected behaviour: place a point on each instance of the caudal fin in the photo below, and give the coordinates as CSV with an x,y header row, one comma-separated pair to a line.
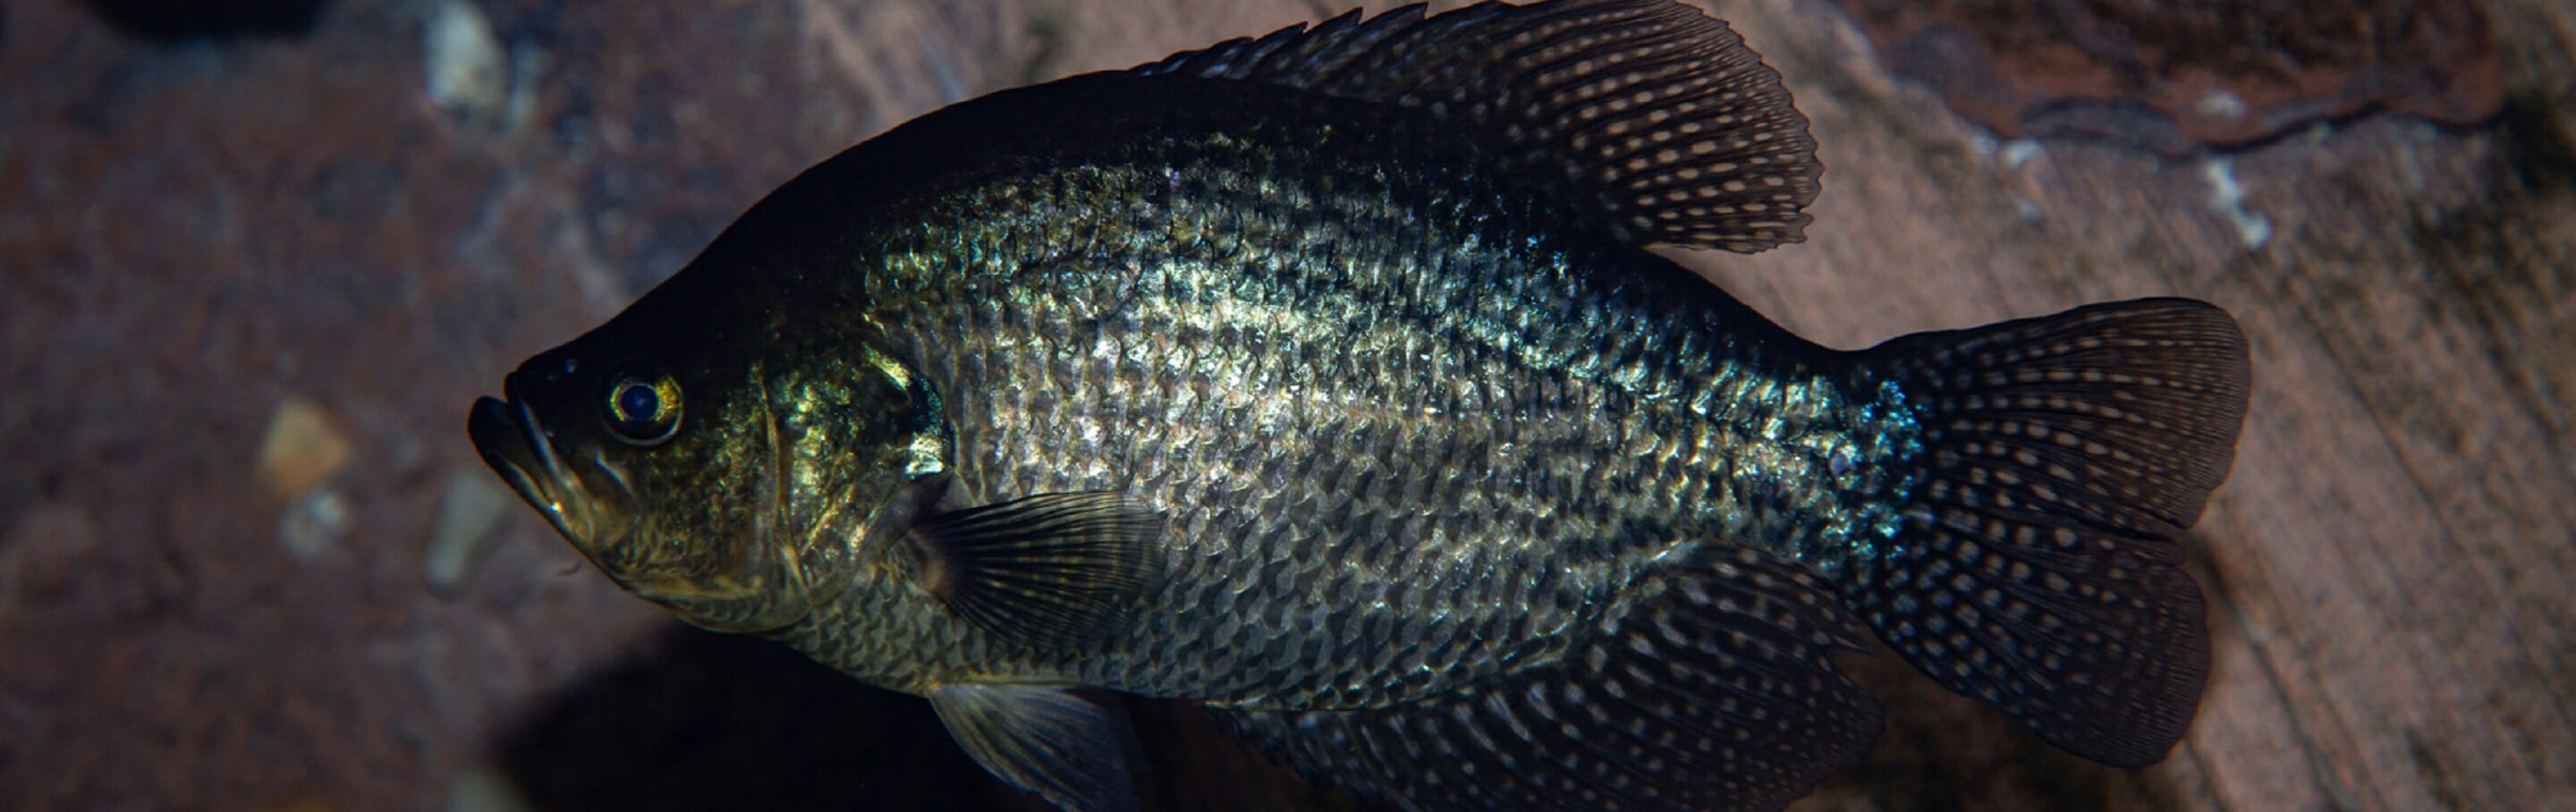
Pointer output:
x,y
2036,567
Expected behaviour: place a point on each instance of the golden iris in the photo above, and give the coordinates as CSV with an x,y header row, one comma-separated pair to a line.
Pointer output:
x,y
644,409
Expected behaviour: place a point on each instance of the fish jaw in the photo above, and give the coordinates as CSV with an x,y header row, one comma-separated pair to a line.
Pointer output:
x,y
514,444
519,448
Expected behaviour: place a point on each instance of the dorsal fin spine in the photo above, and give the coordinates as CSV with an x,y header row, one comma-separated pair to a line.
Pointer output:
x,y
1656,113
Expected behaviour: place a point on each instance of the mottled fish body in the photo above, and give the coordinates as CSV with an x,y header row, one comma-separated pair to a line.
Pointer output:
x,y
1324,378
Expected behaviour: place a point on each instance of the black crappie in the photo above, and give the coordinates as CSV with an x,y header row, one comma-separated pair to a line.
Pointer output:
x,y
1322,378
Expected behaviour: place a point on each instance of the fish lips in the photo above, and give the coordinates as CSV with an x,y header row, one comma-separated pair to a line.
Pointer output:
x,y
516,446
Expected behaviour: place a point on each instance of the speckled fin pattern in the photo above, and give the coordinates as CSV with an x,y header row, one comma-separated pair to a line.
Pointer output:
x,y
1656,111
1714,693
2037,567
1045,739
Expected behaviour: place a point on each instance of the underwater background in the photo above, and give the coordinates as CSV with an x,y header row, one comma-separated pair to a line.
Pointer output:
x,y
257,257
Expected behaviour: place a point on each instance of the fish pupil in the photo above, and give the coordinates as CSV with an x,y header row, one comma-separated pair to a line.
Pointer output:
x,y
638,403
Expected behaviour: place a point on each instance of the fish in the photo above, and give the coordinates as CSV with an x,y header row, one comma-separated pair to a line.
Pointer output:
x,y
1331,380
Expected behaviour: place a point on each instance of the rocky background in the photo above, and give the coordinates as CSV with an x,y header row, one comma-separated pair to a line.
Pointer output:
x,y
256,258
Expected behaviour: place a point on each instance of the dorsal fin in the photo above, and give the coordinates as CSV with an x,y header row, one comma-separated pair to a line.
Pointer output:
x,y
1654,109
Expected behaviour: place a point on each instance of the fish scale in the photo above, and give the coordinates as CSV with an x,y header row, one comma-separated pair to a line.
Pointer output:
x,y
1330,342
1324,379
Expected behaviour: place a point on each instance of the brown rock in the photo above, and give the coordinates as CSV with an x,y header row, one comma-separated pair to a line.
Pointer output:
x,y
2178,76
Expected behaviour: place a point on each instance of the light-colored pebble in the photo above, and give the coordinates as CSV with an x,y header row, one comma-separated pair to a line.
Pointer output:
x,y
468,508
302,447
314,524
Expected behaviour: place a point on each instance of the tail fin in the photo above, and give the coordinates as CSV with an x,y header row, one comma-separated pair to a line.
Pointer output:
x,y
2036,567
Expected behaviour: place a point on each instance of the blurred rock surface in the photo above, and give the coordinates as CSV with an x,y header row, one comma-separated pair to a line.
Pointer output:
x,y
2183,76
191,235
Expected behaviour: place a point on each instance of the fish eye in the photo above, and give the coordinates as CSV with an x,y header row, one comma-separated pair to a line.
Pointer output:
x,y
643,406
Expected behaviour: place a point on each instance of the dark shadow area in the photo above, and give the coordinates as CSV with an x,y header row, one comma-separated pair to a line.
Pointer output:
x,y
1943,751
178,20
699,720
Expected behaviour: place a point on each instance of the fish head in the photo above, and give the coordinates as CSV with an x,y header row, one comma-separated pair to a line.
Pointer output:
x,y
733,481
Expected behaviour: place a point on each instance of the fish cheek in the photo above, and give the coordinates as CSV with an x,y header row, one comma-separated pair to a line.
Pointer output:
x,y
694,506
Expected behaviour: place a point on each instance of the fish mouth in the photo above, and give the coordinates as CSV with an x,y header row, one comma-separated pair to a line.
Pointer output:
x,y
517,447
568,489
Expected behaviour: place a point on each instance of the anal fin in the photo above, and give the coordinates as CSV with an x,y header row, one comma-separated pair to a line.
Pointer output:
x,y
1046,740
1714,693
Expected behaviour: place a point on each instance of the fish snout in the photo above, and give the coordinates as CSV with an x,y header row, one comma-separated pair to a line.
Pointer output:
x,y
518,448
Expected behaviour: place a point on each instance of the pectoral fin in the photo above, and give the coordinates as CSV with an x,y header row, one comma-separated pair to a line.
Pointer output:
x,y
1051,570
1045,740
